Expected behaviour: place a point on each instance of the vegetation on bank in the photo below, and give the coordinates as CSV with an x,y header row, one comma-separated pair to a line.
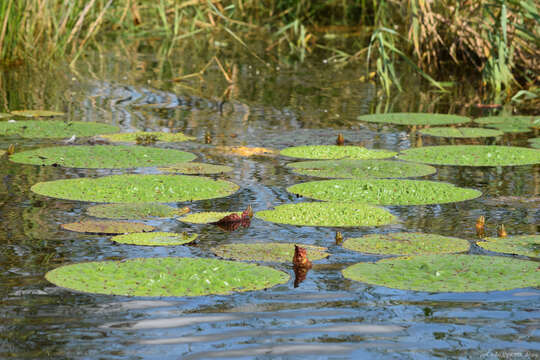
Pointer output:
x,y
495,40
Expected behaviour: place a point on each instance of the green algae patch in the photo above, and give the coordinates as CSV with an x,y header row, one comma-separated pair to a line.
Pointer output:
x,y
155,238
196,168
472,155
37,113
134,211
415,119
134,137
447,273
384,191
361,168
101,156
535,143
461,132
107,227
324,152
207,217
406,244
527,245
54,129
523,121
136,188
168,276
267,252
328,214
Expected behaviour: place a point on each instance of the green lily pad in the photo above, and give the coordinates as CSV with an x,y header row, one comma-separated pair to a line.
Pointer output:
x,y
328,214
384,192
406,244
529,121
472,155
107,227
510,128
54,129
159,136
102,156
37,113
535,143
527,245
360,168
447,273
415,119
2,152
4,115
195,168
206,217
165,277
335,152
155,238
136,188
133,211
461,132
268,252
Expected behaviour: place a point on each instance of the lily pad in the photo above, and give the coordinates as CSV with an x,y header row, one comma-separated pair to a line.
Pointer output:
x,y
415,119
159,136
473,155
206,217
361,168
268,252
107,227
535,143
510,128
384,192
54,129
447,273
134,211
155,238
328,214
165,277
245,151
406,244
335,152
4,115
527,245
102,156
195,168
2,152
37,113
460,132
136,188
522,121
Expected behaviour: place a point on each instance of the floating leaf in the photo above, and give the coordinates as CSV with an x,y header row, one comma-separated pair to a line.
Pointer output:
x,y
107,227
415,119
472,155
102,156
245,151
447,273
361,168
135,211
510,128
165,277
194,168
267,252
535,143
234,221
37,113
2,152
4,115
530,121
206,217
159,136
136,188
384,192
335,152
328,214
526,245
461,132
53,129
155,238
406,244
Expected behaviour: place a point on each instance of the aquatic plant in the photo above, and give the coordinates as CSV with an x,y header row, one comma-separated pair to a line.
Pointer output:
x,y
195,168
267,252
526,245
460,132
54,128
107,227
415,119
36,113
335,152
135,211
206,217
155,238
132,137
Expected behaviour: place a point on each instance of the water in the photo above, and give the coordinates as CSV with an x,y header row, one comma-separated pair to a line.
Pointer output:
x,y
327,316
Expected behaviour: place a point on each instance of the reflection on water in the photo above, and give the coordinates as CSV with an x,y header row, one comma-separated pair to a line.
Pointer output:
x,y
327,316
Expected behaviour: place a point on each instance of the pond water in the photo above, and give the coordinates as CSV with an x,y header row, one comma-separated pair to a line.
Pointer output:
x,y
326,316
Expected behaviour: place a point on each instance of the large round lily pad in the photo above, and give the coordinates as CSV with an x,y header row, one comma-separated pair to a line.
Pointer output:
x,y
384,191
206,217
268,252
535,143
511,121
415,119
328,214
460,132
472,155
510,128
136,188
155,238
527,245
195,168
447,273
144,135
107,227
361,168
335,152
165,277
406,244
102,156
134,211
54,129
37,113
